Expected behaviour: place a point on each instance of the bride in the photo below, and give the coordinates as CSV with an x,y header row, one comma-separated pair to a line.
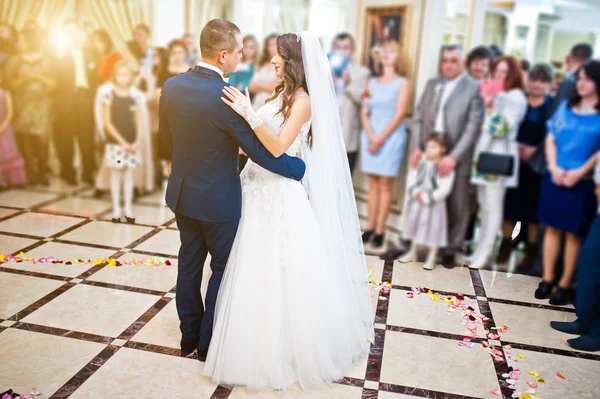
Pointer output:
x,y
294,306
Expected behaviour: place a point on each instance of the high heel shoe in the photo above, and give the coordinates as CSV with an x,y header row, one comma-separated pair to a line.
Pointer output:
x,y
130,220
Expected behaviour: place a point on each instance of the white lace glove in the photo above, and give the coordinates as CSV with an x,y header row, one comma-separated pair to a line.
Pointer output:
x,y
241,104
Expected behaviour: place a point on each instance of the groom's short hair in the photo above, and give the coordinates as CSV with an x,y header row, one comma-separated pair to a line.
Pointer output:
x,y
218,35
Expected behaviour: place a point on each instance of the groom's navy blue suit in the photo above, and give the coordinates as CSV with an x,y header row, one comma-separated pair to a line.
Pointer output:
x,y
204,188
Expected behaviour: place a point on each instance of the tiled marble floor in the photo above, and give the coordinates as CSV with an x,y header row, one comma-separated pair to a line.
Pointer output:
x,y
84,331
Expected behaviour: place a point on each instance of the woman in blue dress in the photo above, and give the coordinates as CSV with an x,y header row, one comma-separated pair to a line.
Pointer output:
x,y
568,204
383,139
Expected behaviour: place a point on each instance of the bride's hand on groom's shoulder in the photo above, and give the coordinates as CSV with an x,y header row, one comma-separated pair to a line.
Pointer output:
x,y
241,104
236,99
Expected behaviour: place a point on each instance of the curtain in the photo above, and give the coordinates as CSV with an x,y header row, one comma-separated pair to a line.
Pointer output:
x,y
199,12
291,16
118,17
46,12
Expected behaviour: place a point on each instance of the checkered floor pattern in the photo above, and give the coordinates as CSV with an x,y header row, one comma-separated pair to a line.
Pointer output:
x,y
84,331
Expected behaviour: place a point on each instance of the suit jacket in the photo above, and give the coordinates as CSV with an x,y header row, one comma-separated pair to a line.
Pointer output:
x,y
64,73
350,105
463,116
564,92
204,182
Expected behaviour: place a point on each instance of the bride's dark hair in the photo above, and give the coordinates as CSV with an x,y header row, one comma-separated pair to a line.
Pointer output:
x,y
290,49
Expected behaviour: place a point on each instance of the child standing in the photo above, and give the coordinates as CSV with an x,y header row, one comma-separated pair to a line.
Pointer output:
x,y
12,165
122,124
426,222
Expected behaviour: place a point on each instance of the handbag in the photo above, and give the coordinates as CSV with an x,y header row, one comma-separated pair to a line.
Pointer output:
x,y
490,163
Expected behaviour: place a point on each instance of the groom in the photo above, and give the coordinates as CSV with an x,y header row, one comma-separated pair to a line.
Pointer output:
x,y
204,188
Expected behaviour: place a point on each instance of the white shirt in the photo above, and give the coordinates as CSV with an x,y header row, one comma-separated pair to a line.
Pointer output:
x,y
448,87
80,77
212,68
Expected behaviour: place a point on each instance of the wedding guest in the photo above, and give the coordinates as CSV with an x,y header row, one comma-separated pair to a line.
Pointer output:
x,y
12,165
426,221
587,296
245,70
451,104
74,107
504,114
383,139
521,203
106,54
141,36
525,65
143,91
177,59
556,82
579,55
264,80
8,41
479,61
191,49
161,74
160,62
122,125
243,75
29,74
350,80
567,205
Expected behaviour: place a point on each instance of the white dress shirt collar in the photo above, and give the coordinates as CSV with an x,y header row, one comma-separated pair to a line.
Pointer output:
x,y
211,67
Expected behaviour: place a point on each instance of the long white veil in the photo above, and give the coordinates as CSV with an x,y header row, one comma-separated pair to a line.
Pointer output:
x,y
329,187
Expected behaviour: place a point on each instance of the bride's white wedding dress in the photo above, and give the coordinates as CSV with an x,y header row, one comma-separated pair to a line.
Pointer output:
x,y
282,315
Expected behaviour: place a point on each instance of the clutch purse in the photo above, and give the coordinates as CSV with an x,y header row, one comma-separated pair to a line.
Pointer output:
x,y
495,164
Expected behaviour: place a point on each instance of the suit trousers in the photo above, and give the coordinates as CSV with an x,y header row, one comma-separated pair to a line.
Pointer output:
x,y
491,205
587,297
458,213
198,239
76,123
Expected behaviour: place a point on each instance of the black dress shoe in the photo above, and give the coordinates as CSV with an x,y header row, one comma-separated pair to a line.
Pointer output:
x,y
130,220
115,220
561,296
585,343
544,290
202,355
188,347
449,261
573,327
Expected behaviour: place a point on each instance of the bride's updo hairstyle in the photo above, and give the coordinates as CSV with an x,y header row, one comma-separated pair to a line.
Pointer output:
x,y
289,48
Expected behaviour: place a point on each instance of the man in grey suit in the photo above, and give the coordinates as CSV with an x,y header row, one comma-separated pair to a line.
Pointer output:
x,y
451,105
350,81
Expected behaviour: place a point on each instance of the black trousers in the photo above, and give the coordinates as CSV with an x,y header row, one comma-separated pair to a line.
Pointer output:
x,y
76,123
352,160
198,239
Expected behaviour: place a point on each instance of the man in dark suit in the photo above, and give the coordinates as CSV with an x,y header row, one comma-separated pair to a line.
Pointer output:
x,y
74,106
204,188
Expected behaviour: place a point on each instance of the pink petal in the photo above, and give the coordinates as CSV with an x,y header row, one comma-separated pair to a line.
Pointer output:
x,y
560,374
496,392
531,384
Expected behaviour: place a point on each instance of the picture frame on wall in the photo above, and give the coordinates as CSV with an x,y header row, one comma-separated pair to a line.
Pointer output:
x,y
383,24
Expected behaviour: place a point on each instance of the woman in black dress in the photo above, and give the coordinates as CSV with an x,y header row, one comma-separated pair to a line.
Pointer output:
x,y
521,203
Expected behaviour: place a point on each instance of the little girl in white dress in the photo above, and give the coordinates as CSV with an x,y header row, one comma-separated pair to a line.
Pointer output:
x,y
426,221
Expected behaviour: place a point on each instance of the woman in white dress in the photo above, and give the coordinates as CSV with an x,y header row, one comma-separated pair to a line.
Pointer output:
x,y
294,306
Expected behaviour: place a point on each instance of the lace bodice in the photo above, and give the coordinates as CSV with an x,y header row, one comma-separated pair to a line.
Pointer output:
x,y
274,121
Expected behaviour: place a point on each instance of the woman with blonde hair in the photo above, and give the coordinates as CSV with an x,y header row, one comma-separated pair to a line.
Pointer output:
x,y
384,138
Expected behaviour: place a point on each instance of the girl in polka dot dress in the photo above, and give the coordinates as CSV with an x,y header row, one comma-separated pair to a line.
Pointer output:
x,y
122,125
